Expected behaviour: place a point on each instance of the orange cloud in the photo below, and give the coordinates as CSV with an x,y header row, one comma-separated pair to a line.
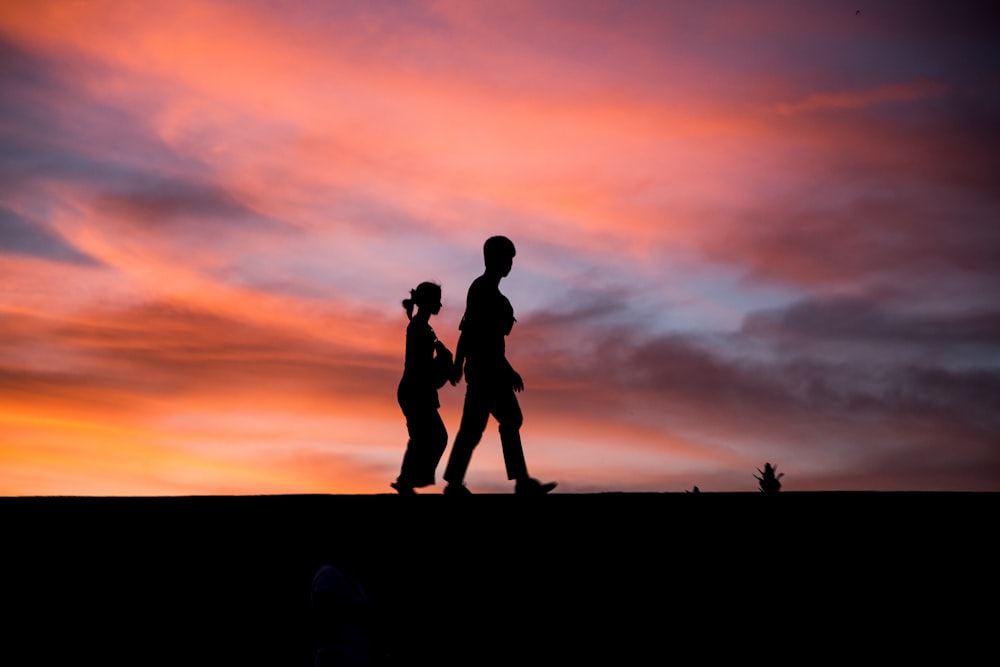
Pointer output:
x,y
894,92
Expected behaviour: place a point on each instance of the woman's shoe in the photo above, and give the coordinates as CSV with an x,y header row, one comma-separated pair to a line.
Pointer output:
x,y
457,490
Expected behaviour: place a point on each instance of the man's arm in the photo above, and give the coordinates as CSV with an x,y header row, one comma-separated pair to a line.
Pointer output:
x,y
457,366
471,302
515,378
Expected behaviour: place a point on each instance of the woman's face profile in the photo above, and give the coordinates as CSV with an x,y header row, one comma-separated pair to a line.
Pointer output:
x,y
434,305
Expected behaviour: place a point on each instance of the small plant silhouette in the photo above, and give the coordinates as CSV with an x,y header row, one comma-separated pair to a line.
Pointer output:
x,y
768,479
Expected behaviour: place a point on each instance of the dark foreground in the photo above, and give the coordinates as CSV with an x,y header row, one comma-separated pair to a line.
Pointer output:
x,y
616,579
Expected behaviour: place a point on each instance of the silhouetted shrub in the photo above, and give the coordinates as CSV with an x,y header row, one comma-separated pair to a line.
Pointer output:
x,y
768,479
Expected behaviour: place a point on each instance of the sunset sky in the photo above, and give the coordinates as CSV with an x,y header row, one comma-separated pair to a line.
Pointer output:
x,y
746,232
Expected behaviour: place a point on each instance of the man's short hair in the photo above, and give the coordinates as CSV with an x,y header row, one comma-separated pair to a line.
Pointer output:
x,y
499,247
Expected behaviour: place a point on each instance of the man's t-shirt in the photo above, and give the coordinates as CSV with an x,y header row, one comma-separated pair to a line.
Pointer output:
x,y
488,319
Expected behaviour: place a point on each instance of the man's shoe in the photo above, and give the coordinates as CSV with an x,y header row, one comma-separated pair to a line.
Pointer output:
x,y
402,489
457,490
532,487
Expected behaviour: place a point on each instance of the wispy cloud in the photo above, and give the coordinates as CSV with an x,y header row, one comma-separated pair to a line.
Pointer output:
x,y
853,99
19,235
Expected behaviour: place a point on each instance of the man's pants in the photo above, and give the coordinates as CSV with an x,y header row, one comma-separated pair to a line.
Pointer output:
x,y
481,401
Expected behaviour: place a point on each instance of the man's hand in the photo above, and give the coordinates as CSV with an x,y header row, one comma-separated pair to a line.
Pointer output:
x,y
516,380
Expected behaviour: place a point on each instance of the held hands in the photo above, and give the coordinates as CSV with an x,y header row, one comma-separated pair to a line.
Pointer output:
x,y
443,364
441,350
456,373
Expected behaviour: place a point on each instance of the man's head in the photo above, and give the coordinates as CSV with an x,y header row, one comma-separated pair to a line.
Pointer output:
x,y
498,254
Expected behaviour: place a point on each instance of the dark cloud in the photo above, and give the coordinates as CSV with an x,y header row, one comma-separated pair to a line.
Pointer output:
x,y
918,416
53,129
904,194
20,236
584,310
867,320
702,371
157,202
899,242
904,418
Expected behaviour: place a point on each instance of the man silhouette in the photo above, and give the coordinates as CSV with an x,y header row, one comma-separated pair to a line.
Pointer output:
x,y
490,380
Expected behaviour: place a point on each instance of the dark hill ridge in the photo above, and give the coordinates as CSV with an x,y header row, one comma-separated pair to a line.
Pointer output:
x,y
616,578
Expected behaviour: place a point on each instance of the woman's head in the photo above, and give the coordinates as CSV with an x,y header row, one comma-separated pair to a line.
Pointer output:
x,y
426,296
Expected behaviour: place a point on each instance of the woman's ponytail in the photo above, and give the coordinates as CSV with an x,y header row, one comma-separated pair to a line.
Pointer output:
x,y
423,294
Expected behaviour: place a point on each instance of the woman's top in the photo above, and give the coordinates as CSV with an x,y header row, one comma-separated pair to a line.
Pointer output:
x,y
426,368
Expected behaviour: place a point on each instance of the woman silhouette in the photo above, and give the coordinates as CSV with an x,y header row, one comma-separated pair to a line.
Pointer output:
x,y
427,367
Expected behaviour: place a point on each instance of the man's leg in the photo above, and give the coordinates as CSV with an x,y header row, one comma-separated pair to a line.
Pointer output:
x,y
475,413
507,411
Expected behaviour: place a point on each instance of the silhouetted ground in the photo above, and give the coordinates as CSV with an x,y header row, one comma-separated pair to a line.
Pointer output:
x,y
570,579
